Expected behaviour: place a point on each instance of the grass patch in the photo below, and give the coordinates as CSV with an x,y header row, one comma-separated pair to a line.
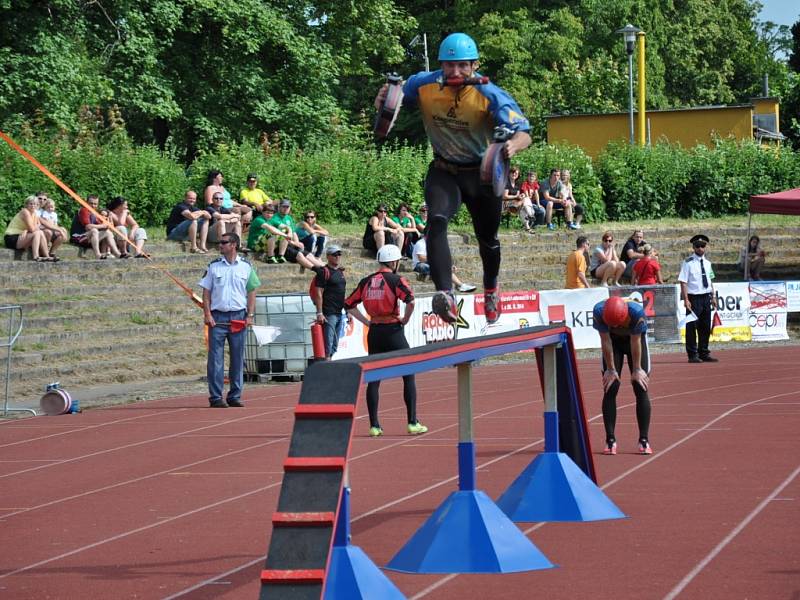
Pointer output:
x,y
140,319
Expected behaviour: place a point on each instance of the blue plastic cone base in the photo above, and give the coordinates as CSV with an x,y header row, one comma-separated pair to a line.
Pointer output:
x,y
554,488
469,534
352,575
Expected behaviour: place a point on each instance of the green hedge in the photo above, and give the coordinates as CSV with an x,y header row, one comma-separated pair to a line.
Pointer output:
x,y
669,181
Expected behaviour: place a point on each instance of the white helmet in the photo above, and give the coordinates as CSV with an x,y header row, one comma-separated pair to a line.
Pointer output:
x,y
389,253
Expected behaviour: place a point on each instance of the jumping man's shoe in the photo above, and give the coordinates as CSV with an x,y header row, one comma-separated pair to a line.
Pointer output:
x,y
416,428
611,448
444,305
644,447
375,431
491,306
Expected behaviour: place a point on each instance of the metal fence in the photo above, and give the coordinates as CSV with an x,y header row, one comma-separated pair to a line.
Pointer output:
x,y
11,318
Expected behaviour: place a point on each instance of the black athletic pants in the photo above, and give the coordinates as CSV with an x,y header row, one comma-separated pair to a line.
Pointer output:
x,y
622,348
385,337
444,193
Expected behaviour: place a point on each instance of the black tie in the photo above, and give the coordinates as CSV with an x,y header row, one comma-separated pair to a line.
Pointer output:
x,y
705,278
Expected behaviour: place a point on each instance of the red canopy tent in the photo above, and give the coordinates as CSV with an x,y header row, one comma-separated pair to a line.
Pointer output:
x,y
779,203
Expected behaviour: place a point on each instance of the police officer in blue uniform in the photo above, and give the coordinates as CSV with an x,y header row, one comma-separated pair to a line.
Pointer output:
x,y
697,290
622,327
229,301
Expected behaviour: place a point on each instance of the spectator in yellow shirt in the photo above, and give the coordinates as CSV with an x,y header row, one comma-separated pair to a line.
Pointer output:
x,y
576,265
253,196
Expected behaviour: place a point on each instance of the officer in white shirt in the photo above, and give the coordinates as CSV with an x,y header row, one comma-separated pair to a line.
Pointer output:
x,y
697,291
229,299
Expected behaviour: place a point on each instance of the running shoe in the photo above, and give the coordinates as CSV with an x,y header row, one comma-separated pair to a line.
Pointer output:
x,y
444,305
416,428
467,287
611,448
280,259
491,306
644,447
375,431
572,226
551,226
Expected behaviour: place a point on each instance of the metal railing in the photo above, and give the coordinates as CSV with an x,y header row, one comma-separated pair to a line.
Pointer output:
x,y
8,343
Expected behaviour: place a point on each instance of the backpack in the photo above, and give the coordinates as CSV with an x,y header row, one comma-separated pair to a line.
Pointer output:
x,y
312,288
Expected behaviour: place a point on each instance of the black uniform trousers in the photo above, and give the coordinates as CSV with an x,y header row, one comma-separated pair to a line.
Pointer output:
x,y
698,332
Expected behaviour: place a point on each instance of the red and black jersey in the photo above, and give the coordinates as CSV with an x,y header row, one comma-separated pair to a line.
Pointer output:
x,y
379,294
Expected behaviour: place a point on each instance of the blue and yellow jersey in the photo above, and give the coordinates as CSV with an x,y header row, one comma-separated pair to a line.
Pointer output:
x,y
460,121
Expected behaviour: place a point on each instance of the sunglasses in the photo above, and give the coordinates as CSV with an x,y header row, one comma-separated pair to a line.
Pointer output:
x,y
608,239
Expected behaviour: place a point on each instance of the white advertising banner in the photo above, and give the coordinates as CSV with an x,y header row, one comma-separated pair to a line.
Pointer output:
x,y
574,308
768,302
793,296
732,301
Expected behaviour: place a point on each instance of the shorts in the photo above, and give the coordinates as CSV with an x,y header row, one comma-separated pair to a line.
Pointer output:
x,y
291,253
140,234
369,241
80,239
11,240
181,231
593,272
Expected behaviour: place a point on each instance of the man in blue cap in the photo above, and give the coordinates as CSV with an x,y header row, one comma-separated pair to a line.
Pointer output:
x,y
459,121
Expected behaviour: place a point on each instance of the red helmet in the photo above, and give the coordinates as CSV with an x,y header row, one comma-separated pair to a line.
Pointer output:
x,y
615,312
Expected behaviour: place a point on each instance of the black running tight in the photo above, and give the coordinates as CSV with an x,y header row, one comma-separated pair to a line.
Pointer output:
x,y
385,338
622,349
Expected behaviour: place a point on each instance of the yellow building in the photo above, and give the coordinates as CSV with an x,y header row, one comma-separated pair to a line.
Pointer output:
x,y
685,126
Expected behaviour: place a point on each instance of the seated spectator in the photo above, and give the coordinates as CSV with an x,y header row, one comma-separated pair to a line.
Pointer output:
x,y
261,232
88,231
23,232
604,264
311,233
573,212
647,271
48,222
284,223
576,265
421,219
380,230
409,227
252,195
122,219
515,203
187,222
419,263
223,220
214,186
631,252
530,191
755,255
550,193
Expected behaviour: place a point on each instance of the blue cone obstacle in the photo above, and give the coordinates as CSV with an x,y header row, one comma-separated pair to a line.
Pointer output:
x,y
352,575
553,488
468,533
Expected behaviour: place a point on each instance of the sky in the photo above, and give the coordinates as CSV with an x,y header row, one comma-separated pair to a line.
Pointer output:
x,y
782,12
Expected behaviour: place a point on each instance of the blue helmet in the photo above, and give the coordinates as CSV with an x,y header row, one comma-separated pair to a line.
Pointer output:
x,y
458,46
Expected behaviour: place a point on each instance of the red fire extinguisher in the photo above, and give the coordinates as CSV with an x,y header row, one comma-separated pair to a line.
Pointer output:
x,y
317,340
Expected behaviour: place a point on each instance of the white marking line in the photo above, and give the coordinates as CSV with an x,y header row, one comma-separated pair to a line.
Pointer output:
x,y
142,442
630,471
142,478
197,586
88,427
729,538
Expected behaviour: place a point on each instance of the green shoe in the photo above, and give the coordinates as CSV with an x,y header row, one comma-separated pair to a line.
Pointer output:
x,y
272,260
281,259
375,431
416,428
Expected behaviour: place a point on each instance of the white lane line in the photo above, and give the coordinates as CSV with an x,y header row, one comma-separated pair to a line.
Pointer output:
x,y
88,427
729,538
143,442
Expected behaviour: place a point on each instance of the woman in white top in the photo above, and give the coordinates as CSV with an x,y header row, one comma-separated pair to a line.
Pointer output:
x,y
604,264
48,222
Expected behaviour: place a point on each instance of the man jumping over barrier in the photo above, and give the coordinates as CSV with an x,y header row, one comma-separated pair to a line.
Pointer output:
x,y
623,333
459,121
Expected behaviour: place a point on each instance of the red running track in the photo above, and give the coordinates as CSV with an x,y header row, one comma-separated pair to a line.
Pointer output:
x,y
167,499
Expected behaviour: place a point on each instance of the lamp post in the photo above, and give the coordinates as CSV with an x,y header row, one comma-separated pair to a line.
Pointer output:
x,y
629,34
